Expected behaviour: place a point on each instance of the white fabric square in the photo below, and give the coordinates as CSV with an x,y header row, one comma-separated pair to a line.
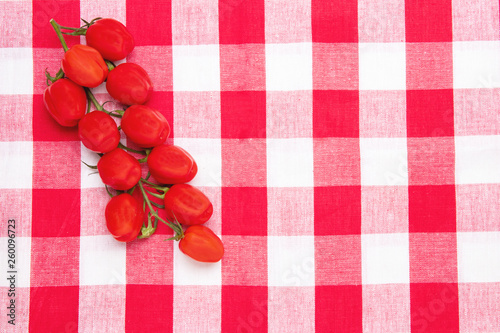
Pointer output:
x,y
17,71
382,66
478,256
102,260
385,258
196,67
290,162
188,271
290,261
17,168
384,161
289,66
476,65
207,155
477,159
21,250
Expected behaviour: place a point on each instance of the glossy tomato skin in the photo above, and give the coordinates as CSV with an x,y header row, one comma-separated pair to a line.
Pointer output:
x,y
170,164
145,126
124,217
187,204
84,65
119,169
66,102
129,84
111,38
98,132
201,244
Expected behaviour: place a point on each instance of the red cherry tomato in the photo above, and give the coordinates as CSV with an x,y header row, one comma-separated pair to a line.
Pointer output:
x,y
129,84
145,126
98,132
111,38
84,65
201,244
66,102
187,204
119,169
124,216
170,164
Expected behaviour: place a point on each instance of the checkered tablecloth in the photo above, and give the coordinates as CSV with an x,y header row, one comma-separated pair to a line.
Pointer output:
x,y
351,150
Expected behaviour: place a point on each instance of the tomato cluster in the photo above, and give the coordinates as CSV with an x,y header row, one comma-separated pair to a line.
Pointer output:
x,y
130,213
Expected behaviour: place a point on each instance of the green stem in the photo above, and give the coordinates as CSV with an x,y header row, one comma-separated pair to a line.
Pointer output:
x,y
57,29
156,186
156,195
122,146
94,101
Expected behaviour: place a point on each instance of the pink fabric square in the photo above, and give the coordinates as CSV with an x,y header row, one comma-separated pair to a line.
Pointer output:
x,y
17,27
244,162
384,209
290,308
289,114
386,308
381,21
382,113
55,261
197,114
146,261
290,211
429,65
245,260
157,61
431,161
337,260
21,311
19,209
335,66
336,162
479,306
205,301
476,111
45,58
288,21
101,306
477,207
56,165
475,20
433,257
242,67
92,206
195,22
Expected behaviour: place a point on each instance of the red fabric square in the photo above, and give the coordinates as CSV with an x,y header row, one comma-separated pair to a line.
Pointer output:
x,y
334,21
45,128
337,260
243,114
244,262
244,309
335,113
242,67
244,162
65,12
53,309
429,65
429,113
17,29
433,257
56,213
157,14
432,208
244,211
337,210
339,309
148,308
434,307
335,66
336,162
241,22
428,21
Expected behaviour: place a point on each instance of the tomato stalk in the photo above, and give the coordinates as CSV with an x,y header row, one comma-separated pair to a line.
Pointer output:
x,y
142,152
57,29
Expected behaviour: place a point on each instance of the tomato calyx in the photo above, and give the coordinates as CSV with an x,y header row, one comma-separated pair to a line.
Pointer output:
x,y
81,31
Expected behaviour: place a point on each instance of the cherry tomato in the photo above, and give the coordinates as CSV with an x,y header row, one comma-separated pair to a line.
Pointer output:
x,y
84,65
111,38
145,126
201,244
98,132
170,164
124,216
119,169
66,102
187,204
129,84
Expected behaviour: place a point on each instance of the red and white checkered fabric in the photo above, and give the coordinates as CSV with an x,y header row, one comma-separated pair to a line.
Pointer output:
x,y
351,150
